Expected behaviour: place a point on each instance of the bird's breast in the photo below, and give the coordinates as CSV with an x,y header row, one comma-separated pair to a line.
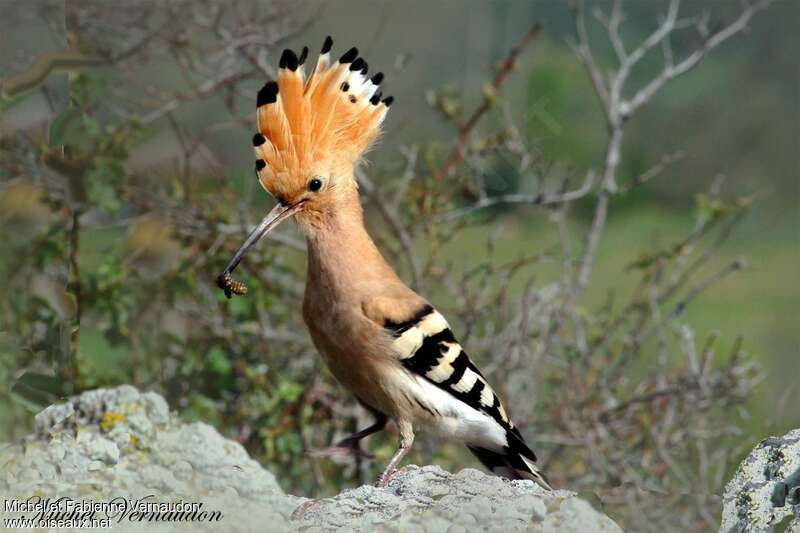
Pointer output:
x,y
354,349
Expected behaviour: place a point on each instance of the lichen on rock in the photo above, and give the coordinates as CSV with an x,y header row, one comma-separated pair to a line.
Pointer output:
x,y
765,491
110,443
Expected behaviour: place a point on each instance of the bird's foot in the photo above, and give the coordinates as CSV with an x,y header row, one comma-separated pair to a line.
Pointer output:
x,y
391,468
386,477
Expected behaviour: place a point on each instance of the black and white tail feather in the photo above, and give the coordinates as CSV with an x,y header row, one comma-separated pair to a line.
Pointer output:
x,y
516,461
428,349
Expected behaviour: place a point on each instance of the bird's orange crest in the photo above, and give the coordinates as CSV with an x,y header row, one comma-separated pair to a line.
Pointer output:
x,y
316,124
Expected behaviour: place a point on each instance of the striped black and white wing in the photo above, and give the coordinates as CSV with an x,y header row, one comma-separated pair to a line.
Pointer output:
x,y
426,347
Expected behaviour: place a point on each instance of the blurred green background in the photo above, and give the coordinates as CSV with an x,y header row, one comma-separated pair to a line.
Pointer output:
x,y
737,115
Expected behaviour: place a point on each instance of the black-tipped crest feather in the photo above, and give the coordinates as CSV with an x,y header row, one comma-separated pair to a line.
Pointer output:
x,y
349,56
268,94
288,60
358,64
327,45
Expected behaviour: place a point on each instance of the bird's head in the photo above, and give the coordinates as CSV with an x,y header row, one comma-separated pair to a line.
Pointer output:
x,y
312,130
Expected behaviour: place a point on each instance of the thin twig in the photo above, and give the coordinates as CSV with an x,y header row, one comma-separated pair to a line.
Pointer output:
x,y
737,264
654,171
457,152
670,72
584,53
527,199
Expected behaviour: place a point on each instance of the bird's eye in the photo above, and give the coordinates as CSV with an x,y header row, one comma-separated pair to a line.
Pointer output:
x,y
314,185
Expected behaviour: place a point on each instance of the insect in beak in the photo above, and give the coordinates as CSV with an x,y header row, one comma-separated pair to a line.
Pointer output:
x,y
278,214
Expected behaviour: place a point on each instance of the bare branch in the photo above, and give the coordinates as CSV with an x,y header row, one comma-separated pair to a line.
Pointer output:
x,y
612,24
654,171
584,52
652,41
737,264
527,199
671,72
618,109
457,152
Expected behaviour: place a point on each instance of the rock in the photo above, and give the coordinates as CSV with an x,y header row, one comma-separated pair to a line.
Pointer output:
x,y
110,444
765,491
430,499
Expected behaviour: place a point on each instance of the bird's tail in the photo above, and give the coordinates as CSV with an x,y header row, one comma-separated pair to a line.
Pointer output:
x,y
515,461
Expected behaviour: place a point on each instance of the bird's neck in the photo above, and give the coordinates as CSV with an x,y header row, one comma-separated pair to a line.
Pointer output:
x,y
341,255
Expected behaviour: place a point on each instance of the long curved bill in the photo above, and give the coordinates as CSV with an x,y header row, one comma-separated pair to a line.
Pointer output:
x,y
278,214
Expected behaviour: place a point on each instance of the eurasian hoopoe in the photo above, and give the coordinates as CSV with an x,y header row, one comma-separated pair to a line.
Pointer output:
x,y
380,339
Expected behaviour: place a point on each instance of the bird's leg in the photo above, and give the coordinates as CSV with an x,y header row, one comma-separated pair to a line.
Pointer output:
x,y
353,440
351,443
391,468
406,440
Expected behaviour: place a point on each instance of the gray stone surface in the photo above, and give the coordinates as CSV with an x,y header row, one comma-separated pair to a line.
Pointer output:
x,y
765,491
112,443
430,499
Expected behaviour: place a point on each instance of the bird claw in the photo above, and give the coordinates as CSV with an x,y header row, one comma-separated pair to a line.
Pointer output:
x,y
385,478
